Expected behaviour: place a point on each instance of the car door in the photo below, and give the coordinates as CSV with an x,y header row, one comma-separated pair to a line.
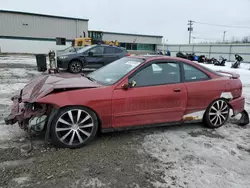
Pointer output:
x,y
94,57
158,96
110,54
200,90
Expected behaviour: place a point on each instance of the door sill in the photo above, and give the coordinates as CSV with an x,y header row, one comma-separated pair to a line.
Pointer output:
x,y
116,129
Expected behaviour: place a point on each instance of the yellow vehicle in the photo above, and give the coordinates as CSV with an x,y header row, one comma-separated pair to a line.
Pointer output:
x,y
94,37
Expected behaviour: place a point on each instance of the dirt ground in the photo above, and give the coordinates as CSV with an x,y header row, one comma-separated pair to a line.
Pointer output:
x,y
179,156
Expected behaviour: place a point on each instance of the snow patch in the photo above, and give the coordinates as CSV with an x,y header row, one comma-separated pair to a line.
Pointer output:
x,y
20,59
11,88
21,180
89,182
201,160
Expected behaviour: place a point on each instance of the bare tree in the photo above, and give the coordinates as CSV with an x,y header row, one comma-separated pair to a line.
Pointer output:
x,y
245,40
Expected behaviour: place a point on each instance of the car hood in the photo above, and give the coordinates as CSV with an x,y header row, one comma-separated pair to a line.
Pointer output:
x,y
45,84
66,53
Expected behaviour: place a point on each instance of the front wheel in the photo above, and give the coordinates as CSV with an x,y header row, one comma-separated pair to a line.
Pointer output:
x,y
216,114
75,66
73,127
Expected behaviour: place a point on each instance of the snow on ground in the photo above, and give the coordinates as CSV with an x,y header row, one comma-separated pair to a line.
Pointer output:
x,y
12,80
18,59
193,156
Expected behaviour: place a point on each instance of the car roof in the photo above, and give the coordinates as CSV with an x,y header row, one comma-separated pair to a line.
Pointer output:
x,y
169,58
108,45
159,57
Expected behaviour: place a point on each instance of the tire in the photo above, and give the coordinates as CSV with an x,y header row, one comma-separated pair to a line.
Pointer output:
x,y
76,134
75,66
216,114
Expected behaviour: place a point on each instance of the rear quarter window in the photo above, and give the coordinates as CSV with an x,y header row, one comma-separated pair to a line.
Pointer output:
x,y
118,50
191,73
210,70
109,50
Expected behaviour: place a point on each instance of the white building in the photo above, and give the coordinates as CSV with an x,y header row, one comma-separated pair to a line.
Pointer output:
x,y
23,32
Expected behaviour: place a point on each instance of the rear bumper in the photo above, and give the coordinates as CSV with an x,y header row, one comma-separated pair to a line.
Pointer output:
x,y
238,105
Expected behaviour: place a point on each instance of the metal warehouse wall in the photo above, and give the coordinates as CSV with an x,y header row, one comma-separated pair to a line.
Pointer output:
x,y
128,38
29,46
215,50
21,25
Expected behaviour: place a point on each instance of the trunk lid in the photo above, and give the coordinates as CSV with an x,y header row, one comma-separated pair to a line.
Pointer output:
x,y
230,74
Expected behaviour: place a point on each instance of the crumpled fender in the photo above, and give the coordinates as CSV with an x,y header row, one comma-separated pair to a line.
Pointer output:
x,y
56,99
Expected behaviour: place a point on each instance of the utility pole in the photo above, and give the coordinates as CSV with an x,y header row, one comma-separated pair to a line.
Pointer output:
x,y
164,40
190,29
224,34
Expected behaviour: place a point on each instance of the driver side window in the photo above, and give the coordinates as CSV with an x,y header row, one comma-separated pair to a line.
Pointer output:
x,y
97,50
157,74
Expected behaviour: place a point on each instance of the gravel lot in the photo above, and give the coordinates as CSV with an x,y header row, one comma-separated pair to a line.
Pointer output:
x,y
178,156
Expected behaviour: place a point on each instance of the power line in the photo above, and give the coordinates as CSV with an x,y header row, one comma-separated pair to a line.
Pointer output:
x,y
214,39
218,25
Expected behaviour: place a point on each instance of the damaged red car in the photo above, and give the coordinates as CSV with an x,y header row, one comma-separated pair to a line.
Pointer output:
x,y
132,92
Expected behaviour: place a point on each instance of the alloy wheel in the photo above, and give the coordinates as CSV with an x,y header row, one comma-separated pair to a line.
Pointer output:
x,y
76,67
74,127
218,113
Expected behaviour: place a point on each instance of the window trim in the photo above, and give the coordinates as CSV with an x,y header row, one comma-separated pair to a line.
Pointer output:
x,y
154,62
198,80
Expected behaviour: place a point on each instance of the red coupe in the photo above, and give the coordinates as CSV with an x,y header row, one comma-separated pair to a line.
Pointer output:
x,y
132,92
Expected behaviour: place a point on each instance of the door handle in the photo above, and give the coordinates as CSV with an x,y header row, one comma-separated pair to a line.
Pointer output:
x,y
177,89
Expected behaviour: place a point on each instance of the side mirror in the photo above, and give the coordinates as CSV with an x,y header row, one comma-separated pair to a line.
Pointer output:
x,y
129,85
90,53
125,86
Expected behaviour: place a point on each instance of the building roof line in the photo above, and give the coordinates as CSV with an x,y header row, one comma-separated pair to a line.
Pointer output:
x,y
45,15
131,34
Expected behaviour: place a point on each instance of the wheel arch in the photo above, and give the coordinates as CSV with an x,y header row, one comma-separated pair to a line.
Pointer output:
x,y
97,115
223,98
205,118
76,59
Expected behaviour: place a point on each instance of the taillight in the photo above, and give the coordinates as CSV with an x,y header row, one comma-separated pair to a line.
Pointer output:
x,y
128,54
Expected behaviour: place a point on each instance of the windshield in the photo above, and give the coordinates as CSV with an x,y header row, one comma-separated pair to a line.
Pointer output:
x,y
84,49
116,70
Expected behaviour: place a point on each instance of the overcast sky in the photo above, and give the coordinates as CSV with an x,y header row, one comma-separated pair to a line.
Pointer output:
x,y
156,17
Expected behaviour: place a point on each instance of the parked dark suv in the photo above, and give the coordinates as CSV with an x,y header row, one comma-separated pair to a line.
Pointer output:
x,y
94,56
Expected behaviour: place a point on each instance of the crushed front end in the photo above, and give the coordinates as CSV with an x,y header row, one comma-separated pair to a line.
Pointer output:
x,y
29,116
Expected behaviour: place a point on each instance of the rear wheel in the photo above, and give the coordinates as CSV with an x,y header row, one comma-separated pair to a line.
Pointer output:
x,y
75,66
216,114
73,127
